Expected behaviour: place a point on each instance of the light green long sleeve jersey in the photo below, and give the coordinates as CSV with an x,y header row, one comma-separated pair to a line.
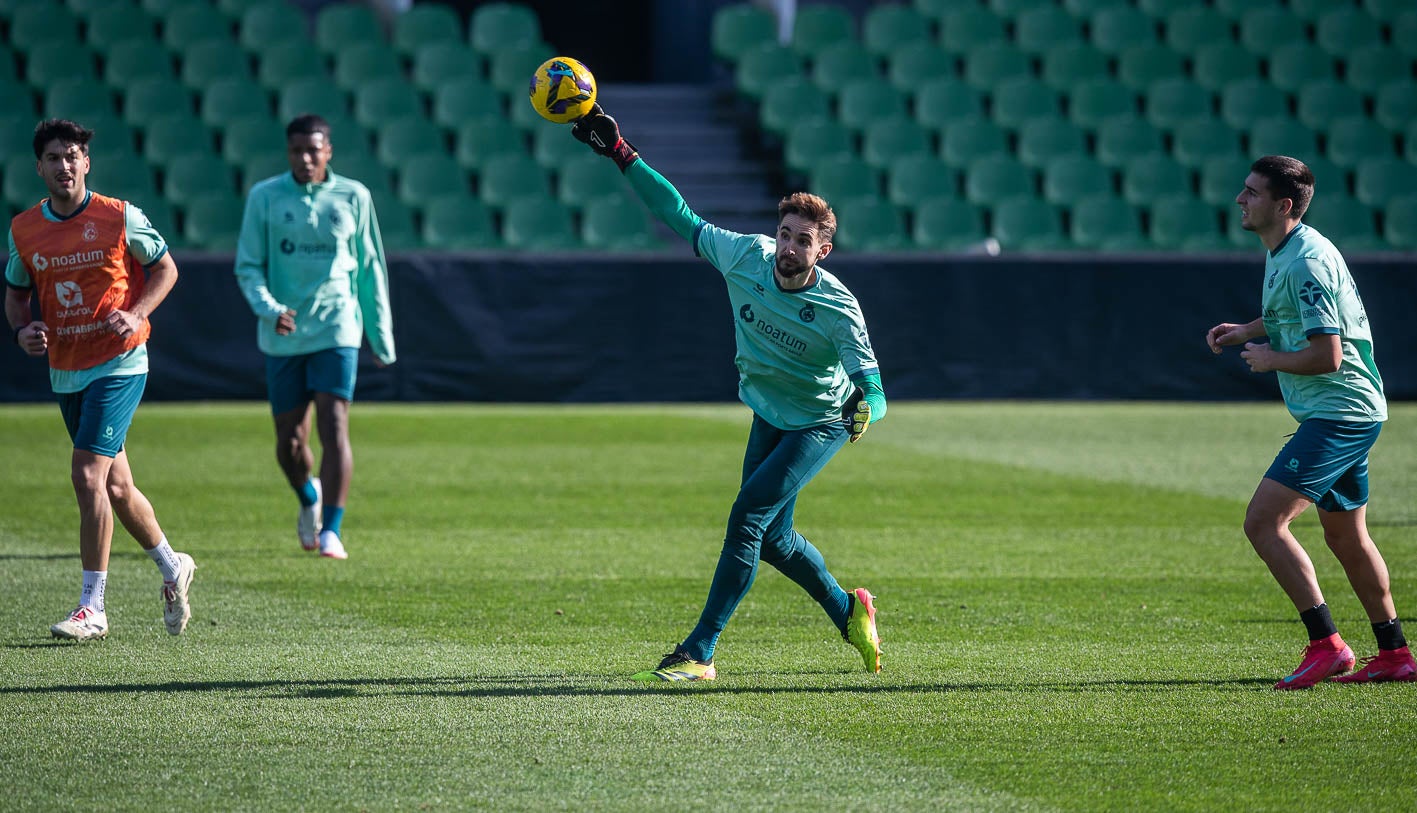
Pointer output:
x,y
315,249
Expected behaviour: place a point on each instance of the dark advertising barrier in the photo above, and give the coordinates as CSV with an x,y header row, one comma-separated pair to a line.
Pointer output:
x,y
597,328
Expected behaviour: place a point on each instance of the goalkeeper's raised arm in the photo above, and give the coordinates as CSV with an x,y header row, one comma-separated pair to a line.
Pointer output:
x,y
602,134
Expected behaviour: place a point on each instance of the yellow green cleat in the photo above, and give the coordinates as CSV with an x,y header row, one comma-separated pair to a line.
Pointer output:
x,y
861,629
677,666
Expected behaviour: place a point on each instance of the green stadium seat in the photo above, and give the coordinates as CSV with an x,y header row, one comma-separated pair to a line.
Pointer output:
x,y
1344,31
1348,222
316,94
1351,139
1121,139
818,27
1045,139
1196,27
1246,101
886,29
43,27
1264,30
989,65
967,27
1103,222
1387,11
458,223
918,64
972,139
553,146
1295,66
838,179
1119,27
522,114
1409,141
915,178
946,223
9,63
16,97
235,9
1216,65
212,221
509,70
1073,177
814,141
78,99
618,222
439,62
427,175
1369,69
170,135
1171,103
1324,101
44,67
1195,142
481,141
260,168
765,66
1161,9
1221,179
228,100
190,23
1396,104
496,27
188,176
1028,224
1071,64
16,133
247,138
113,23
212,60
995,179
586,178
157,8
1378,180
401,138
1283,135
503,181
1400,222
270,24
1009,9
1017,102
21,186
1042,29
397,227
841,63
1089,8
737,29
126,180
792,102
1309,10
381,100
362,166
113,142
422,24
1186,223
891,138
870,224
539,224
365,62
863,102
1150,177
1329,177
289,61
1095,102
465,99
941,102
343,26
1140,67
134,60
159,214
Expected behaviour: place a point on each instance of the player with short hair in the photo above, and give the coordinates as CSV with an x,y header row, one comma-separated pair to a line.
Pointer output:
x,y
1321,347
310,261
807,371
98,269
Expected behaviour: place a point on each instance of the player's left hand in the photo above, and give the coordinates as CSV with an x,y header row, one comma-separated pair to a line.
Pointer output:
x,y
123,323
857,415
1259,356
601,133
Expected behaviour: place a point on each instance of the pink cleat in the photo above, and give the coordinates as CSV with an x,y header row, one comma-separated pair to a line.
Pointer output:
x,y
1387,665
1322,659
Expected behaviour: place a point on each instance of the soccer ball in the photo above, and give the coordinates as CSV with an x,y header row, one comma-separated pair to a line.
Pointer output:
x,y
562,90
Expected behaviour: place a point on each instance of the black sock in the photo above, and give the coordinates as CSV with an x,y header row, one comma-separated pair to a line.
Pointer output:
x,y
1389,634
1318,622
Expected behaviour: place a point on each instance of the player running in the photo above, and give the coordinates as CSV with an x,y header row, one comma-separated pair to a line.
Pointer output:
x,y
807,371
98,268
1321,347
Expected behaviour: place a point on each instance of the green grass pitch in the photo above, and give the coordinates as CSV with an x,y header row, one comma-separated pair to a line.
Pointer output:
x,y
1072,620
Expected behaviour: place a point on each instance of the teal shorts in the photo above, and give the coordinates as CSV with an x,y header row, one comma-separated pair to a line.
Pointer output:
x,y
291,381
1327,461
98,416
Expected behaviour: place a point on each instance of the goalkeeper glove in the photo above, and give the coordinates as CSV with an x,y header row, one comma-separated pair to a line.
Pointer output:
x,y
856,414
600,132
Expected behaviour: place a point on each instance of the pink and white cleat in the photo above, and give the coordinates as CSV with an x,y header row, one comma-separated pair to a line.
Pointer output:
x,y
1387,665
1322,659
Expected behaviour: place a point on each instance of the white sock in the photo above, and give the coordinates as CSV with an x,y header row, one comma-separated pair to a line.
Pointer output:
x,y
95,581
166,559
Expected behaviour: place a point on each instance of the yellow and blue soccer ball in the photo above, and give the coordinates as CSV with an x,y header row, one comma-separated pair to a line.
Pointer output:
x,y
562,90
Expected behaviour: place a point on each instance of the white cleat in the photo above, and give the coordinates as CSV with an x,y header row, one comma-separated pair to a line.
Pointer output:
x,y
308,526
331,547
175,609
83,624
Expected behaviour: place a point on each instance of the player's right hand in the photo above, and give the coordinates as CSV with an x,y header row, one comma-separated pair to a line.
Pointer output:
x,y
1225,334
33,338
285,323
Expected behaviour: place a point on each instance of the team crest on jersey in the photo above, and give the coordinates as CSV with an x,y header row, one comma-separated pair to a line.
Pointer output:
x,y
90,231
808,313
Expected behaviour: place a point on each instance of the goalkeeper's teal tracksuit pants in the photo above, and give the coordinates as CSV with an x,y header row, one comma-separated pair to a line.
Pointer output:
x,y
776,466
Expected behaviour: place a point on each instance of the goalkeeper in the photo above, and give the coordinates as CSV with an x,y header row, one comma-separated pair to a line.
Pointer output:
x,y
805,368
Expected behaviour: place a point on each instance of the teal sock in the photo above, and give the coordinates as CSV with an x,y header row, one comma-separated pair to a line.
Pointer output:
x,y
332,517
307,494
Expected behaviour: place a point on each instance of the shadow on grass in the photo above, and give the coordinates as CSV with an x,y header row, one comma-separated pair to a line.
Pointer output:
x,y
563,686
38,557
